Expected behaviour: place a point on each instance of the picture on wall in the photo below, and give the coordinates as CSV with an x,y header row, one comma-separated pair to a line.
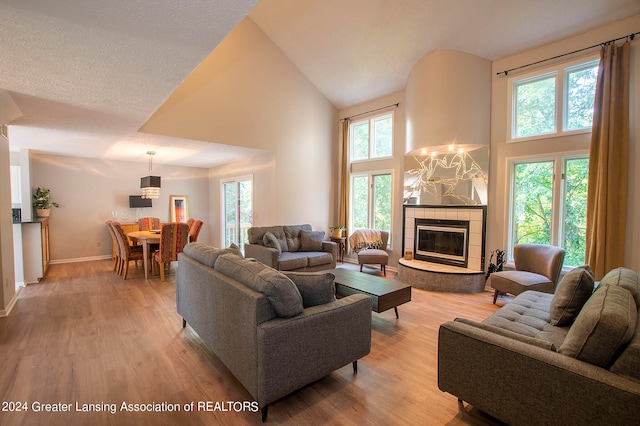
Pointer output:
x,y
179,206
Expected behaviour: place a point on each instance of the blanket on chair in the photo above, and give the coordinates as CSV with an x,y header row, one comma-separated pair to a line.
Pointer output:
x,y
362,239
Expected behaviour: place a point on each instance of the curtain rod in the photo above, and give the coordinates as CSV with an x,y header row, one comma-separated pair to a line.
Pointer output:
x,y
630,36
373,110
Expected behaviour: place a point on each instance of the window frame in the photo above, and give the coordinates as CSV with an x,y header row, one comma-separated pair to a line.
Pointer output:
x,y
558,208
371,148
235,180
371,198
561,72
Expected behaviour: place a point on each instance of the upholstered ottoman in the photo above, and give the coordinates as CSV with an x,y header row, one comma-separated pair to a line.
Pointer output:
x,y
373,256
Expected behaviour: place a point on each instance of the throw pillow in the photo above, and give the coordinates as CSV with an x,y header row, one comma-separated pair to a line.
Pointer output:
x,y
574,290
625,278
282,293
270,240
316,288
311,240
603,327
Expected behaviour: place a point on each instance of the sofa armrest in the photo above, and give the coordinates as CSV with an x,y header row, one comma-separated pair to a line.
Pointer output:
x,y
267,255
331,247
293,352
520,383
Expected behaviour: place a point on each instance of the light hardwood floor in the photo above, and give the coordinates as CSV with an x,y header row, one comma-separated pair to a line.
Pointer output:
x,y
85,336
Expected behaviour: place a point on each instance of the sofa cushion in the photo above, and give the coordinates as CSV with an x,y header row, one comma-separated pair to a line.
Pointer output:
x,y
603,327
628,363
311,240
289,261
528,315
316,258
574,290
270,240
316,288
292,235
282,293
625,278
207,255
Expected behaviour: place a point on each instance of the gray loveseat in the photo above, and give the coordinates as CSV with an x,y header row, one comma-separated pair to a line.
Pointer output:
x,y
291,248
275,333
569,358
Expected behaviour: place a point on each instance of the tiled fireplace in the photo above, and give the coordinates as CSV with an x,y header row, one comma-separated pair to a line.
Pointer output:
x,y
444,247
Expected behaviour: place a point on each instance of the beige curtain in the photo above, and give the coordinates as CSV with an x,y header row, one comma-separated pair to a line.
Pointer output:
x,y
343,202
609,163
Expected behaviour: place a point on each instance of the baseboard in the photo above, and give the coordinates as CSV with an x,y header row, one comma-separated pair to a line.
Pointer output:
x,y
81,259
6,311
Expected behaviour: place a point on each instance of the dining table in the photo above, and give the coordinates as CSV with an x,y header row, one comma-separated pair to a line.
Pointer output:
x,y
146,238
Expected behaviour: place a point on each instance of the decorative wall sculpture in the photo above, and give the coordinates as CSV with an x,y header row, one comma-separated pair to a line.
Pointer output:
x,y
451,178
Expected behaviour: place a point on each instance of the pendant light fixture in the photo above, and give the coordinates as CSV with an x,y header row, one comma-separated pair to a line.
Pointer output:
x,y
150,185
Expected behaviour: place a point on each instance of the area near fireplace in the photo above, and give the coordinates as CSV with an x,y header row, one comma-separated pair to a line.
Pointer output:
x,y
444,247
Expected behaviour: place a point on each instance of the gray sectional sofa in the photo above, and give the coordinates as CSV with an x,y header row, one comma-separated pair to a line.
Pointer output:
x,y
291,248
570,358
276,333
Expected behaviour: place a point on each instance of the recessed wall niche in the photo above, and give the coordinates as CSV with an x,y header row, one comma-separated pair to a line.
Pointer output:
x,y
448,100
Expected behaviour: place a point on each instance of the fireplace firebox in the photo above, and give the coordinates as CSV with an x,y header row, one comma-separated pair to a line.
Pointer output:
x,y
442,241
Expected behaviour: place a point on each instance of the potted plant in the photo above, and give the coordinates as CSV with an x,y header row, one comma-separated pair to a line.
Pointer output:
x,y
42,202
336,231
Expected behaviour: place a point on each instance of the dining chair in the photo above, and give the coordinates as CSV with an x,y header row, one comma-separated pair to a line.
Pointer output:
x,y
194,230
127,251
114,244
148,223
173,238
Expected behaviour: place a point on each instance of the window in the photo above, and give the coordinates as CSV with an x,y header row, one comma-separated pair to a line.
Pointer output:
x,y
237,214
553,102
546,210
371,185
371,201
372,138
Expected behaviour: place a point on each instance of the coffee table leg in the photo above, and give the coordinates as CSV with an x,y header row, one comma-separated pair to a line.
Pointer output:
x,y
395,308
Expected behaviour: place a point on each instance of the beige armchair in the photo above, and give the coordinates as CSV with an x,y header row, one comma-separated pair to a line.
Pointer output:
x,y
370,245
538,267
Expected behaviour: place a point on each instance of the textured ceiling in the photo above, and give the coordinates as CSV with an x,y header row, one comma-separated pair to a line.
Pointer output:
x,y
87,74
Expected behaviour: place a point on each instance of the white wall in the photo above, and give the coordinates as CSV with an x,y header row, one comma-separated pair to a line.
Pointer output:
x,y
501,150
89,189
248,93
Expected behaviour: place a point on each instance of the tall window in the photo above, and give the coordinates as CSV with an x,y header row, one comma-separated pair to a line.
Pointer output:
x,y
371,186
557,101
372,138
549,203
237,195
371,201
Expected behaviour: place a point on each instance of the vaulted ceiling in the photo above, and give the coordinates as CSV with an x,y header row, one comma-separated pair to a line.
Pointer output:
x,y
86,75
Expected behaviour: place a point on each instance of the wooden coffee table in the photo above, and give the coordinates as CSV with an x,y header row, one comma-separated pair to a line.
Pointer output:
x,y
384,293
